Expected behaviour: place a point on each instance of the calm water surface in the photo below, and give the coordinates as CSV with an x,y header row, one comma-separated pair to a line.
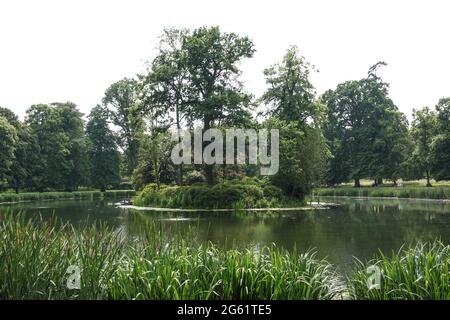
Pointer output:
x,y
358,228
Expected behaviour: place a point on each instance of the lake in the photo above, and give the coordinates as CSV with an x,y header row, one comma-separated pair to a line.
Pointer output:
x,y
357,228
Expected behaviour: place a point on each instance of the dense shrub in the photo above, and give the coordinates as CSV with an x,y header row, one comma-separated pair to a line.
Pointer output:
x,y
250,193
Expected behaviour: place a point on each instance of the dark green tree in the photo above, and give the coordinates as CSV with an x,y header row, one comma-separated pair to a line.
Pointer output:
x,y
215,94
8,140
290,94
302,157
441,142
121,102
423,132
102,150
59,130
365,131
163,89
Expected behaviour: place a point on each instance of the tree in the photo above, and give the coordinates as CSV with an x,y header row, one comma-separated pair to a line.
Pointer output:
x,y
155,164
292,106
302,157
290,93
10,116
102,151
440,147
215,94
59,130
24,170
365,131
345,131
8,140
164,87
387,133
121,102
423,131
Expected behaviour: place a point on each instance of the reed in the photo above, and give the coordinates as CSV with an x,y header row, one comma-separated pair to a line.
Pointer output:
x,y
416,273
35,256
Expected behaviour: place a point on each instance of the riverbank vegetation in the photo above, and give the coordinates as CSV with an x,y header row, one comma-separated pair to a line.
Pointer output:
x,y
437,193
417,273
155,267
246,193
86,195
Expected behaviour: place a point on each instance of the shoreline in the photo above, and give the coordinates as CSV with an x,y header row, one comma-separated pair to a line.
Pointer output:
x,y
314,206
387,198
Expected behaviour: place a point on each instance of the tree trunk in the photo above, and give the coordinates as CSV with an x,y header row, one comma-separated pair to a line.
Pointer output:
x,y
209,174
380,181
208,168
357,183
428,178
180,167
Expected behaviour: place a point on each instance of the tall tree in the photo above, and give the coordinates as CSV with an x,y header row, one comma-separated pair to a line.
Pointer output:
x,y
292,106
365,131
291,94
8,140
423,132
215,93
302,157
102,150
164,87
121,102
24,171
346,131
441,143
59,130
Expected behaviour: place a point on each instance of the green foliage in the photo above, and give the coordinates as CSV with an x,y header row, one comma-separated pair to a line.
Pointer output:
x,y
231,194
390,192
302,156
35,196
423,131
8,140
440,147
418,273
121,102
59,130
155,164
196,73
102,150
365,132
290,93
155,267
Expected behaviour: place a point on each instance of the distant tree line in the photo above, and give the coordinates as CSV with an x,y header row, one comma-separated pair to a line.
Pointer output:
x,y
352,132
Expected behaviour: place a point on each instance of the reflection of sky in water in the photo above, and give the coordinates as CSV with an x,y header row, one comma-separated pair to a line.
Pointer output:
x,y
358,228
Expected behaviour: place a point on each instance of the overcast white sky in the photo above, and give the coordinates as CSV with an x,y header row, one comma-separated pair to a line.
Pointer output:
x,y
56,50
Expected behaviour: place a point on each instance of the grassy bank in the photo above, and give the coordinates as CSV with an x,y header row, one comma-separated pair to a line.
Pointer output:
x,y
389,192
421,272
228,195
35,196
35,255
